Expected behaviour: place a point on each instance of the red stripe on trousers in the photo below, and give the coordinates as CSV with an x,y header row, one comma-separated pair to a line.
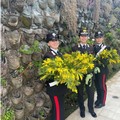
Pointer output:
x,y
104,88
57,107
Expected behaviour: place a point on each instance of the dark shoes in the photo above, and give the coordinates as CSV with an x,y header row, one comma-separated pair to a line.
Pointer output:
x,y
99,105
82,114
97,102
93,114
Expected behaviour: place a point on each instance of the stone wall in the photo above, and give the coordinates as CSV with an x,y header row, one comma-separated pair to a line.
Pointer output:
x,y
25,24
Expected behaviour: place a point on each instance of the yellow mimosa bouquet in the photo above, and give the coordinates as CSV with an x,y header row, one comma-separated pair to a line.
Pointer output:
x,y
68,70
108,57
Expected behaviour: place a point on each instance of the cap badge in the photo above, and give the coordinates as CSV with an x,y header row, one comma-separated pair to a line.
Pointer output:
x,y
84,31
54,34
99,32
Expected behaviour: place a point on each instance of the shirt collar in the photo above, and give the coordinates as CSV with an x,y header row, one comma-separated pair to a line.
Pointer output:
x,y
54,50
99,44
81,45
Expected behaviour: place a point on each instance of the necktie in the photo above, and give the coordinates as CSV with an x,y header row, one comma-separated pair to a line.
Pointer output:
x,y
84,46
98,46
59,54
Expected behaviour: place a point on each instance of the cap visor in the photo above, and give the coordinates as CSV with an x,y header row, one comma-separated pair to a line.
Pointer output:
x,y
100,36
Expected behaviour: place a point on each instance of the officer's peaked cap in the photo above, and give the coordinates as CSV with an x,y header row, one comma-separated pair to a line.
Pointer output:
x,y
51,37
83,31
99,34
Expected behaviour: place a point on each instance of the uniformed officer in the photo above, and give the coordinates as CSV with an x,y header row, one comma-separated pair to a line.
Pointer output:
x,y
100,78
56,92
83,47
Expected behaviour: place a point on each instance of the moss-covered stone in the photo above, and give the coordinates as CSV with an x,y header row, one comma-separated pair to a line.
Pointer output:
x,y
27,22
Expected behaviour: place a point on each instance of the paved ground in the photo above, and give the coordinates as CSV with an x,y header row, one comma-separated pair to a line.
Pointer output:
x,y
111,111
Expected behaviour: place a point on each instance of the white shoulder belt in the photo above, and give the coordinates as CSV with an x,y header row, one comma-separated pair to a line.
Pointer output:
x,y
101,50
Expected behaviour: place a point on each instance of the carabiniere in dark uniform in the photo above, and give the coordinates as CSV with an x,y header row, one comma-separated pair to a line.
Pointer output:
x,y
56,92
100,78
83,47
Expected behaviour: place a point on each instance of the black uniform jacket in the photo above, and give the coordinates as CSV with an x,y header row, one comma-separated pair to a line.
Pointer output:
x,y
50,54
57,89
96,49
87,49
79,47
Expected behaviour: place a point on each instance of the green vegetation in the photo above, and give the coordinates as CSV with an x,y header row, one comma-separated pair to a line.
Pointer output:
x,y
30,50
8,115
26,21
3,81
118,32
66,47
71,103
20,69
90,42
113,69
109,36
42,112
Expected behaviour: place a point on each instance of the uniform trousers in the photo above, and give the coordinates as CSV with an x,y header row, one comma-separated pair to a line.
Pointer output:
x,y
100,83
90,94
56,94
